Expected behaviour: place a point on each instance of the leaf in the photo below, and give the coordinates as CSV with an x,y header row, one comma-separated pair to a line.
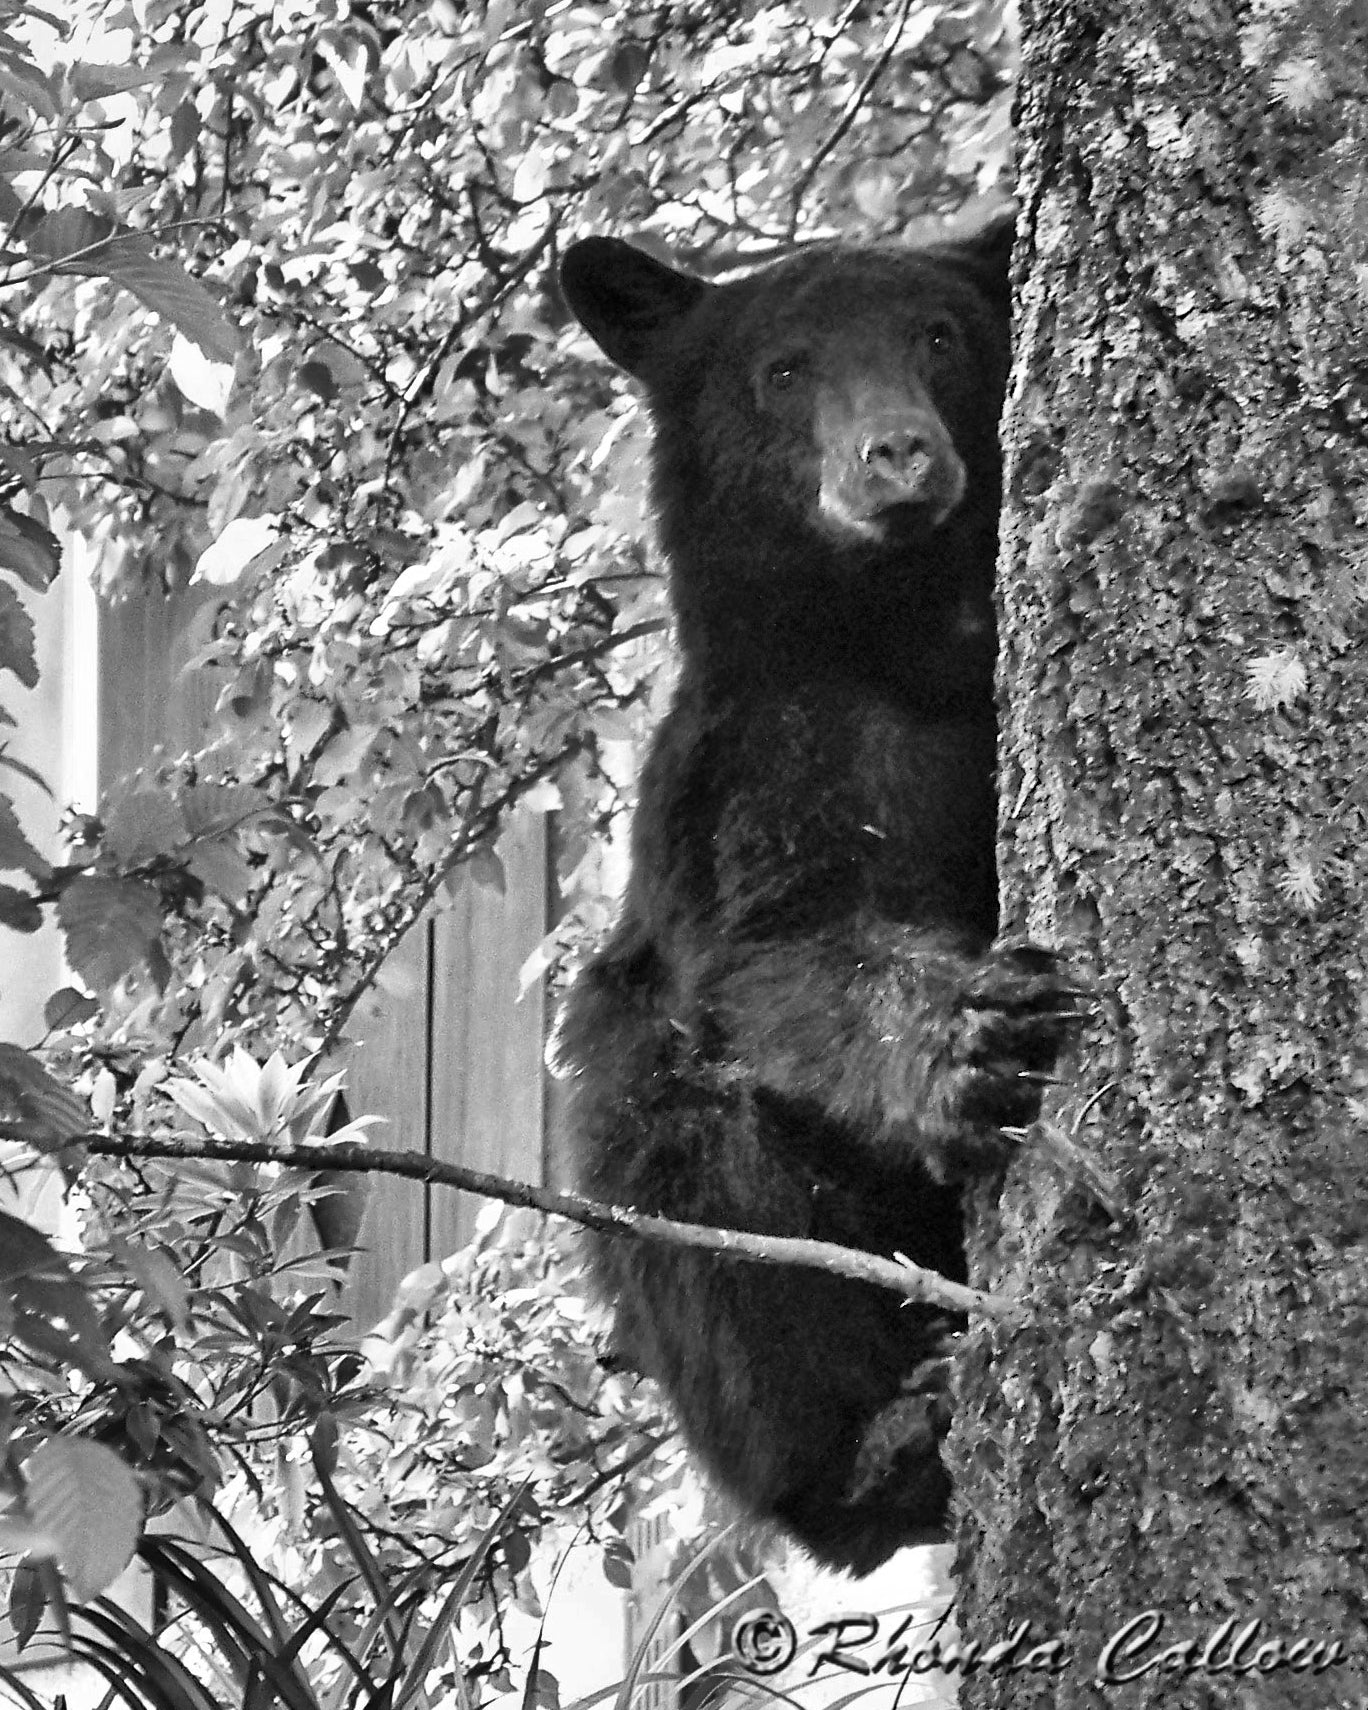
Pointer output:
x,y
226,1118
319,378
104,1096
68,1008
141,824
74,240
56,1319
627,66
437,1635
487,870
19,910
203,382
18,457
88,1508
342,757
222,868
244,539
543,797
30,550
369,276
15,848
185,130
33,1106
111,926
10,209
309,723
26,1251
347,56
211,809
94,82
158,1276
27,1601
25,84
24,771
16,638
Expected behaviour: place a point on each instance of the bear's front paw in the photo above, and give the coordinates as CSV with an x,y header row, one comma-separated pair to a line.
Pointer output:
x,y
1013,1017
909,1429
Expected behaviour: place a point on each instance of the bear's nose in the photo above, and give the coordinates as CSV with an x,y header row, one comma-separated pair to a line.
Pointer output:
x,y
902,456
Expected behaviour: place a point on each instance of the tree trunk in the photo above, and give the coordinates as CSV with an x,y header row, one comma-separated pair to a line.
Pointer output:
x,y
1175,1445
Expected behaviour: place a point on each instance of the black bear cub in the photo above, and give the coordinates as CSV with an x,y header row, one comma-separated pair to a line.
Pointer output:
x,y
801,1025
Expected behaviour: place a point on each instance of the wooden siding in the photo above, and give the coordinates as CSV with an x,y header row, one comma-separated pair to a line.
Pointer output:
x,y
453,1062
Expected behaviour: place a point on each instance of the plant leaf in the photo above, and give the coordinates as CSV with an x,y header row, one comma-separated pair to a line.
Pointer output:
x,y
111,926
142,823
74,240
157,1274
26,547
69,1008
221,867
19,910
26,84
15,848
211,809
26,1251
27,1603
34,1107
16,638
88,1507
242,540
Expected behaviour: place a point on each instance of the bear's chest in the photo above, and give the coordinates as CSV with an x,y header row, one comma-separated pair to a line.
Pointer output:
x,y
926,817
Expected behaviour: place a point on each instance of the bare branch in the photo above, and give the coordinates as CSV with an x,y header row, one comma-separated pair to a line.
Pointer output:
x,y
911,1281
847,118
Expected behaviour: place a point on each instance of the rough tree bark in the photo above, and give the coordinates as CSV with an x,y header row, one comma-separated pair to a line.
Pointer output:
x,y
1183,1428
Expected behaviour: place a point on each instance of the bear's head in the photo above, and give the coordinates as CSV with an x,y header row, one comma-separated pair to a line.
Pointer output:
x,y
825,428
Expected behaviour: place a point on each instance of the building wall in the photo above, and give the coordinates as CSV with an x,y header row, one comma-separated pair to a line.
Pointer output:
x,y
445,1052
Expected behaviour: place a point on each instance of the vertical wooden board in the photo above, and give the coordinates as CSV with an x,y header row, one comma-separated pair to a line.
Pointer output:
x,y
653,1553
134,668
559,1160
387,1075
191,695
486,1104
33,961
488,1099
146,700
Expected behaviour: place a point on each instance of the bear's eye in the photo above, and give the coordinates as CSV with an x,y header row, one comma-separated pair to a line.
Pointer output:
x,y
784,373
941,334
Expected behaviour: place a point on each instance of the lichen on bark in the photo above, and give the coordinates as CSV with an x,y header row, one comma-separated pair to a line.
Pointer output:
x,y
1183,1426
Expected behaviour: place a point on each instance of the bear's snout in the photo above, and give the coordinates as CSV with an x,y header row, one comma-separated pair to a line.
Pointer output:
x,y
910,461
906,459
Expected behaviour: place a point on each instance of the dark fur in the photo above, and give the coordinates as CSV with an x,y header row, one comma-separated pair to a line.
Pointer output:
x,y
800,1025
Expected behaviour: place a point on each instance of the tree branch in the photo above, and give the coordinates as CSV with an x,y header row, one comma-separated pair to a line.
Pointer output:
x,y
911,1281
847,118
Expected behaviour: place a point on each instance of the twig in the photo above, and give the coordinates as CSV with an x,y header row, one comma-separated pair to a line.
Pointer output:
x,y
847,118
420,386
911,1281
59,264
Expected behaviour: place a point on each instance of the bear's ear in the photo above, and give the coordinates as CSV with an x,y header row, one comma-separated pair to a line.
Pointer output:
x,y
624,298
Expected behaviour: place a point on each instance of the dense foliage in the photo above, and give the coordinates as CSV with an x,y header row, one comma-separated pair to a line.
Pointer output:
x,y
282,323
